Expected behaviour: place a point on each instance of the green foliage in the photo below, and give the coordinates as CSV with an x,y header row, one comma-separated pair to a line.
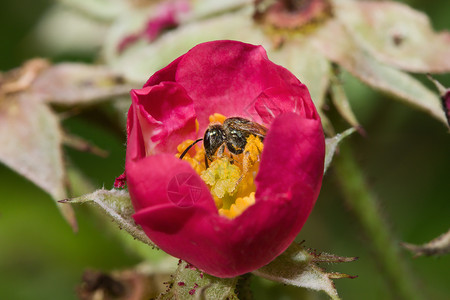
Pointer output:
x,y
117,205
189,282
404,155
297,267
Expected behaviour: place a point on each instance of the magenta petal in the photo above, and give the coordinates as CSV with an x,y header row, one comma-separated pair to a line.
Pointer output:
x,y
165,74
156,180
226,77
292,161
217,245
275,101
166,115
288,185
214,244
174,206
239,74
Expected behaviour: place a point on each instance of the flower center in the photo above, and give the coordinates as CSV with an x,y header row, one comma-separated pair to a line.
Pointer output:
x,y
229,176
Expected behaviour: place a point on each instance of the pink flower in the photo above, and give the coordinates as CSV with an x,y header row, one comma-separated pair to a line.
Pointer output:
x,y
175,207
167,17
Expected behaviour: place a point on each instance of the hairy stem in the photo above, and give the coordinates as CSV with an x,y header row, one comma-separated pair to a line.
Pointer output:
x,y
362,202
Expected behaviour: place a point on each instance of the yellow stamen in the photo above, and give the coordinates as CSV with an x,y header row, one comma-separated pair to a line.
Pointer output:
x,y
230,178
217,118
222,177
181,147
239,207
253,149
197,161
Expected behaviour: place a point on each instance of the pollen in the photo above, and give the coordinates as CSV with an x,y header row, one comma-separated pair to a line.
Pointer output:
x,y
230,177
253,149
222,177
181,147
239,206
217,118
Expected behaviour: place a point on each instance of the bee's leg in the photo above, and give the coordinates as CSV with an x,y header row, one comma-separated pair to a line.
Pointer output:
x,y
245,163
220,151
245,167
206,162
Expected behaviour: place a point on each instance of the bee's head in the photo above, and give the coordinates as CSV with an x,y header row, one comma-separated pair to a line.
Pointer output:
x,y
214,137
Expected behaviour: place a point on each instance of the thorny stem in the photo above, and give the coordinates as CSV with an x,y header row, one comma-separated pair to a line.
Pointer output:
x,y
243,288
363,204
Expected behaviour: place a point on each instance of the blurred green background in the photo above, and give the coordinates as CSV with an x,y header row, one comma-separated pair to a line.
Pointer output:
x,y
405,157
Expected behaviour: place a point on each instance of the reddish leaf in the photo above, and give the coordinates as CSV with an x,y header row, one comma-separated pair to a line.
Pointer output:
x,y
31,145
397,35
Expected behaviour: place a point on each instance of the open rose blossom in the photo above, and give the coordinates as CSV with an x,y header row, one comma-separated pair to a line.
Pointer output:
x,y
237,210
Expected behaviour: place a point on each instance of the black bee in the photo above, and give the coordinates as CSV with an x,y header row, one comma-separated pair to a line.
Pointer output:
x,y
233,134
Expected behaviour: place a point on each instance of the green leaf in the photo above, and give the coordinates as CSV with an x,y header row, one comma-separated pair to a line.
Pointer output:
x,y
309,66
298,267
73,83
31,145
117,205
396,34
350,56
340,101
331,146
188,282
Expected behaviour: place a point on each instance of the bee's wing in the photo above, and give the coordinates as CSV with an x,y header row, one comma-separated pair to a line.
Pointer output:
x,y
255,128
247,126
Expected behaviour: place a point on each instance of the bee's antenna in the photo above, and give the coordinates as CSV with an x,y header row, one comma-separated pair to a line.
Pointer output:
x,y
188,148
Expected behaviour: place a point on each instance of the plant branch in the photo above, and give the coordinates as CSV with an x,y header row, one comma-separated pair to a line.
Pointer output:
x,y
363,204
